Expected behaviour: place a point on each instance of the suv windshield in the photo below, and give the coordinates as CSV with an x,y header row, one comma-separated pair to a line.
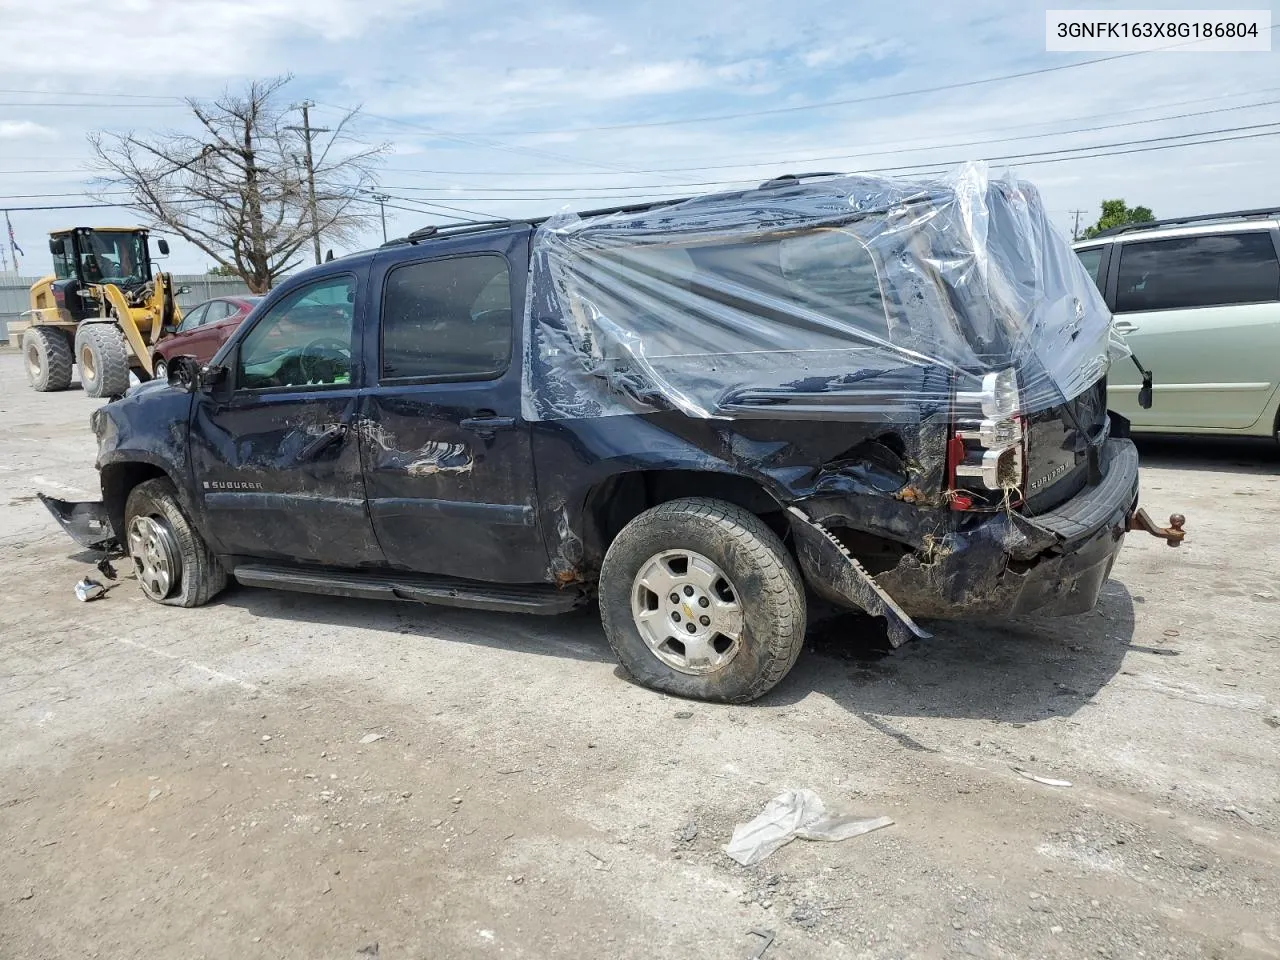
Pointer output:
x,y
113,257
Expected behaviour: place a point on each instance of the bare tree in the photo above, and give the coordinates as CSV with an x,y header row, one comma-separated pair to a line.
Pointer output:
x,y
237,187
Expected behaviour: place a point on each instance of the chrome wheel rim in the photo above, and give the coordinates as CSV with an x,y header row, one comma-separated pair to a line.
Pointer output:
x,y
688,612
155,556
161,372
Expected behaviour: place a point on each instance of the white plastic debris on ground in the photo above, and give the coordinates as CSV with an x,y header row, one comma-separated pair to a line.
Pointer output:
x,y
796,813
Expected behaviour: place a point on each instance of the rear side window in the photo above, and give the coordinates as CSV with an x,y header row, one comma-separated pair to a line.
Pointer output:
x,y
447,319
1091,258
1204,271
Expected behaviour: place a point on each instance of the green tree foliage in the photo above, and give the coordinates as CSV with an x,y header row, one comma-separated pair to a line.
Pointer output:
x,y
222,270
1116,213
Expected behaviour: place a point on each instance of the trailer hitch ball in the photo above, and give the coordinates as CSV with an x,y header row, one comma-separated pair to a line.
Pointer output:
x,y
1172,535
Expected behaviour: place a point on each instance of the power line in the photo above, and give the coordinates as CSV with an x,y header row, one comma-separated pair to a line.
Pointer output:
x,y
776,111
96,106
877,143
590,193
85,93
540,191
492,144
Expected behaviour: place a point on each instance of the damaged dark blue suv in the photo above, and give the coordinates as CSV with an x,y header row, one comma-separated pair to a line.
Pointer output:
x,y
890,395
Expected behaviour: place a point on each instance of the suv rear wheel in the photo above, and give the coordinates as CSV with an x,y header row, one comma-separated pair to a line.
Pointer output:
x,y
700,598
170,558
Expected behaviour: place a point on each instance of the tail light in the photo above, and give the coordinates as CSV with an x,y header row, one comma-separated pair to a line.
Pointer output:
x,y
986,454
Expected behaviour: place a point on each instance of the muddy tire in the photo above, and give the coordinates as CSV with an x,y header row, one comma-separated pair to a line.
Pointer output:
x,y
103,359
699,598
170,558
46,355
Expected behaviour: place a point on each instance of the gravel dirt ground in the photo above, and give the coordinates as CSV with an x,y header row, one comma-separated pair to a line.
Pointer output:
x,y
283,775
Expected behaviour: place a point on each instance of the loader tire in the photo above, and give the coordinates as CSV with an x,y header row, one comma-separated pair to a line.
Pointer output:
x,y
103,359
47,356
699,598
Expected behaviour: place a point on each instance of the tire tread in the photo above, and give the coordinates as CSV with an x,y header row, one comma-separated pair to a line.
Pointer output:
x,y
780,583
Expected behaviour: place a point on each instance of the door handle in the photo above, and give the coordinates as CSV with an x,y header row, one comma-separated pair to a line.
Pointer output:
x,y
487,426
330,436
1124,326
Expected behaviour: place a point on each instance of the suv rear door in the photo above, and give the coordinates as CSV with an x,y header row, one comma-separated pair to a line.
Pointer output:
x,y
447,457
1202,312
275,456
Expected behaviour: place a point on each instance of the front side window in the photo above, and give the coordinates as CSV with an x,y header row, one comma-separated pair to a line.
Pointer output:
x,y
447,319
193,319
1204,271
302,341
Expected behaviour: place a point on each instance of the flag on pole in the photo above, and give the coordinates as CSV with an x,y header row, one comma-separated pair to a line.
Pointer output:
x,y
13,243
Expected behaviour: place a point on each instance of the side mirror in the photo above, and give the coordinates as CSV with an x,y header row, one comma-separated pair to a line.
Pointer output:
x,y
184,373
1144,395
183,289
163,246
57,246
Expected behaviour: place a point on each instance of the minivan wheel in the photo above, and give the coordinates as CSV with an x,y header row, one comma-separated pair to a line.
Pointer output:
x,y
172,562
159,370
699,598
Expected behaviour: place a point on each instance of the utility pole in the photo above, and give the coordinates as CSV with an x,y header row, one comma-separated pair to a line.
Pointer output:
x,y
382,198
1075,230
307,130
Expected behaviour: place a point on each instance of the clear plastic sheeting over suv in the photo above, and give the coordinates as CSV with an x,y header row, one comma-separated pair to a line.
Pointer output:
x,y
836,297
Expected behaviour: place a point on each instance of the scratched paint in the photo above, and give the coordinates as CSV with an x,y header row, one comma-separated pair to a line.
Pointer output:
x,y
433,457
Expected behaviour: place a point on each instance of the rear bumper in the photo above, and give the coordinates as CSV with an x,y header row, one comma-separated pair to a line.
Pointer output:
x,y
1053,564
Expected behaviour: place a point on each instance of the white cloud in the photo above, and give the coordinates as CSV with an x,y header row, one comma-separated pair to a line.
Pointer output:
x,y
26,130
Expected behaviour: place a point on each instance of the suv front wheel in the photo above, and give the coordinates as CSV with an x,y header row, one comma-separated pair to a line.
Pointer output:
x,y
699,598
170,559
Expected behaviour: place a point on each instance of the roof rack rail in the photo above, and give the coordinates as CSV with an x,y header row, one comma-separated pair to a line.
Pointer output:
x,y
1260,213
450,229
788,179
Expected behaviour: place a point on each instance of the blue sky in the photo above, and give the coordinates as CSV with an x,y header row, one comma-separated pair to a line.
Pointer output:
x,y
490,106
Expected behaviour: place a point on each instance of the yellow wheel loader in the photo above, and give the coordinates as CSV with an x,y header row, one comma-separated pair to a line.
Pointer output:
x,y
102,308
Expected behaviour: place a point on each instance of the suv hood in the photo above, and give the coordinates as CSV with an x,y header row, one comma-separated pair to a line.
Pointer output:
x,y
844,297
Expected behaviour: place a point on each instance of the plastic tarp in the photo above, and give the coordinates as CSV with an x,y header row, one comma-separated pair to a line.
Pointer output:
x,y
795,813
844,296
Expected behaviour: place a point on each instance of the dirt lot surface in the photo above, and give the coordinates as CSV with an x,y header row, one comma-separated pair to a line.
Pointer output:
x,y
207,783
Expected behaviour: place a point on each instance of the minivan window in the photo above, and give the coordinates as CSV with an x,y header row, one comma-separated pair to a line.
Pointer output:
x,y
1202,271
1091,257
447,319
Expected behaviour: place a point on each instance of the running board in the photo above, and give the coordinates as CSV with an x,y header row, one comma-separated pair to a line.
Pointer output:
x,y
505,598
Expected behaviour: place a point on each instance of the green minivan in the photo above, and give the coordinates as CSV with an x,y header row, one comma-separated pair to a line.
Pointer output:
x,y
1198,301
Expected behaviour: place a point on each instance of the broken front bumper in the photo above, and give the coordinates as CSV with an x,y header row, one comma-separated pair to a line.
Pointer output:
x,y
1052,564
87,523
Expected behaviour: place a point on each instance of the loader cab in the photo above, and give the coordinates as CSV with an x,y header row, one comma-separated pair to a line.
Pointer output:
x,y
90,256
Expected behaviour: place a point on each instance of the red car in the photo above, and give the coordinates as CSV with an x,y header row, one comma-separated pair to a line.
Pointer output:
x,y
203,330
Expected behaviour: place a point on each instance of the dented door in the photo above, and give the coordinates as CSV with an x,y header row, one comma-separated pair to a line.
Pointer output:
x,y
447,461
276,460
